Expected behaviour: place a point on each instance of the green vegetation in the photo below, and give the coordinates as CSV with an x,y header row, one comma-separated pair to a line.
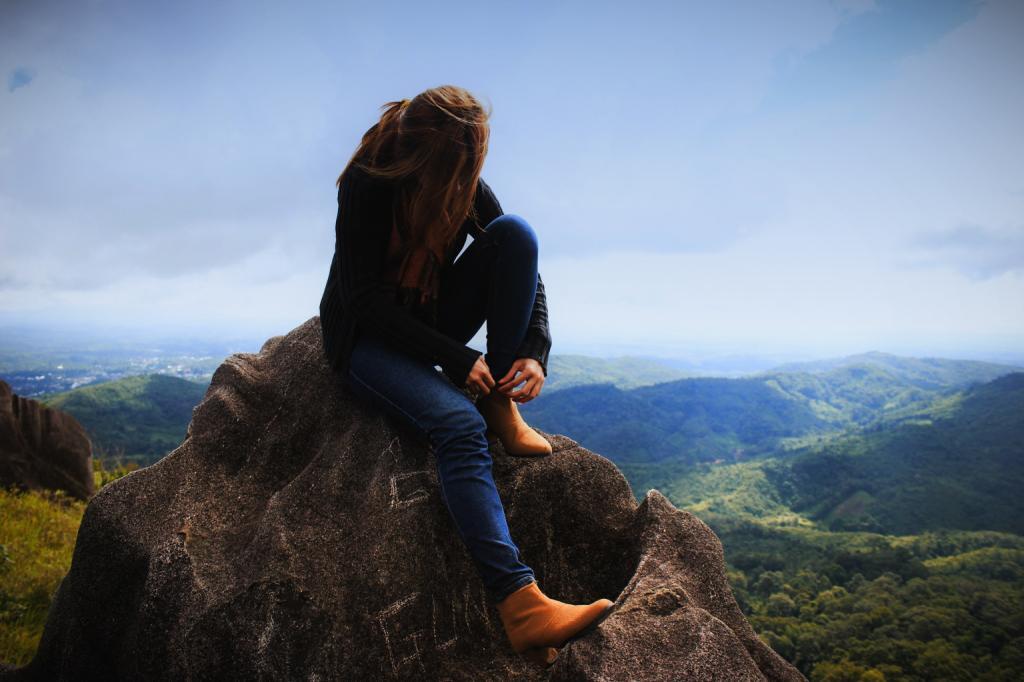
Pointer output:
x,y
868,506
939,597
139,418
926,373
856,394
741,490
962,469
861,606
690,420
704,419
37,537
957,467
567,370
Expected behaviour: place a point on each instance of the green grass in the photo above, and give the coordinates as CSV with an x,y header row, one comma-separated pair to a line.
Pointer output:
x,y
38,529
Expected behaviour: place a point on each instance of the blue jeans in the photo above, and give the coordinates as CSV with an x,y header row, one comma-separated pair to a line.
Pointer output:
x,y
495,279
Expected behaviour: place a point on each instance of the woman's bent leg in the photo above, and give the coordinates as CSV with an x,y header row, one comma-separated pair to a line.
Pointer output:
x,y
494,278
423,398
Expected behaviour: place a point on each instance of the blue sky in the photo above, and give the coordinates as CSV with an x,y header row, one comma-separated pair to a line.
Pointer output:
x,y
809,177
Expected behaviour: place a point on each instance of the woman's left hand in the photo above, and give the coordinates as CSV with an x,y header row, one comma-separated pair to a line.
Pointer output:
x,y
531,372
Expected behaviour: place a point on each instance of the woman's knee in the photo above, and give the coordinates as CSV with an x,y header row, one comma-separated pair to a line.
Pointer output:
x,y
514,230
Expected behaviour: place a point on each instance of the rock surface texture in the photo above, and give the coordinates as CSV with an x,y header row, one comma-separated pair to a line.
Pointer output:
x,y
297,534
43,448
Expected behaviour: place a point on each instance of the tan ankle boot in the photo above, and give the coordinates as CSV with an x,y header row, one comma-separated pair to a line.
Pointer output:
x,y
505,423
536,625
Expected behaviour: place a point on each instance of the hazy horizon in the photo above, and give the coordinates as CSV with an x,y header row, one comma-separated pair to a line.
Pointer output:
x,y
728,358
794,179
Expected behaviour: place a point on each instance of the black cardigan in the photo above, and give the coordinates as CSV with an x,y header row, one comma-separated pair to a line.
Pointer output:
x,y
356,298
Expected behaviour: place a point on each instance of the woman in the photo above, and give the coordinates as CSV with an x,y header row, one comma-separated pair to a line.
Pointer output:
x,y
397,303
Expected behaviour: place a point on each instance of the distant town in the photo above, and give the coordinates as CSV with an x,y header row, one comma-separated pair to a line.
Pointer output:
x,y
36,383
39,362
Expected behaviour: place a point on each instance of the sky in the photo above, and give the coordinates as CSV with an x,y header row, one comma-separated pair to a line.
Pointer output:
x,y
815,178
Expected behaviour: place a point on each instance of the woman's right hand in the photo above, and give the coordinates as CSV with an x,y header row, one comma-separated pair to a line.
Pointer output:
x,y
480,380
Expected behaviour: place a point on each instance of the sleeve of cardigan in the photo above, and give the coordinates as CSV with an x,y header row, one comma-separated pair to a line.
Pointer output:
x,y
537,343
361,243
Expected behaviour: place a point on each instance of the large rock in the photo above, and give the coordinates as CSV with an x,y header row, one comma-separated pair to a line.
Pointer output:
x,y
43,448
298,534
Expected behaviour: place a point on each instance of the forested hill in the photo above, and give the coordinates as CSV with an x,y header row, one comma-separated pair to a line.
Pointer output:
x,y
690,420
139,418
706,419
928,373
958,466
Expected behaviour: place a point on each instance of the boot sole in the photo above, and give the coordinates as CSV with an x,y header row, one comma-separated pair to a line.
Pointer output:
x,y
542,453
591,626
492,439
546,656
542,655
